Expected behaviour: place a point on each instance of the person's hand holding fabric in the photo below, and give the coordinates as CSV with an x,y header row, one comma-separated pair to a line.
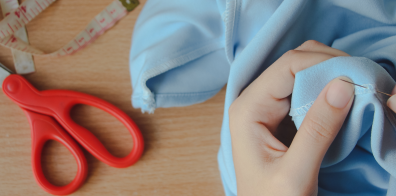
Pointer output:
x,y
392,100
264,165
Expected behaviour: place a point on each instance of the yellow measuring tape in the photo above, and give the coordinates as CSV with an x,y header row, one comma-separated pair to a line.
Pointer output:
x,y
18,18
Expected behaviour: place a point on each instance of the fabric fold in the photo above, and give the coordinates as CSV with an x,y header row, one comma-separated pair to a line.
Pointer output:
x,y
176,47
184,52
367,115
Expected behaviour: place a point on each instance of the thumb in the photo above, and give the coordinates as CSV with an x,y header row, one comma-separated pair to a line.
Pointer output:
x,y
320,126
392,100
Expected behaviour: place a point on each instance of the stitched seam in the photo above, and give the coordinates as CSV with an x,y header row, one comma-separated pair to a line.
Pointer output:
x,y
148,98
177,53
301,111
179,94
230,22
172,63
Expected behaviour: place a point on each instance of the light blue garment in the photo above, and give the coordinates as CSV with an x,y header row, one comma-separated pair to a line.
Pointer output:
x,y
184,52
367,131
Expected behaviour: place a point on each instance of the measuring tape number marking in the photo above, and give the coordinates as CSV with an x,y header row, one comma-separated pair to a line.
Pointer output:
x,y
23,62
29,9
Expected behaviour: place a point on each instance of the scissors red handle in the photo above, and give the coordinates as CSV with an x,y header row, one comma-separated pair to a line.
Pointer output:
x,y
45,128
58,103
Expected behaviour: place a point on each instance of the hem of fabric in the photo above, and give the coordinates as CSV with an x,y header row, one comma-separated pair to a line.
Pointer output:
x,y
300,111
183,99
147,97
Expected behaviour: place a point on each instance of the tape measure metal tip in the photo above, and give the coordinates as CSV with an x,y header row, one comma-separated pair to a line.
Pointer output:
x,y
130,4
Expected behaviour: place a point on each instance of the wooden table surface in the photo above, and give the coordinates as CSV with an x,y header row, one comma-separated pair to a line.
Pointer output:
x,y
181,144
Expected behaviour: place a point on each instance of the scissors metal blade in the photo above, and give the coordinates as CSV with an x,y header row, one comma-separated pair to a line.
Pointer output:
x,y
4,72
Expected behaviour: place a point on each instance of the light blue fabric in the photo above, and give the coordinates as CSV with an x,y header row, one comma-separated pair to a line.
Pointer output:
x,y
367,131
184,52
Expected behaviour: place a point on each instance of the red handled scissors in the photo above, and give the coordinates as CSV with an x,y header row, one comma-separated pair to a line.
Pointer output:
x,y
48,113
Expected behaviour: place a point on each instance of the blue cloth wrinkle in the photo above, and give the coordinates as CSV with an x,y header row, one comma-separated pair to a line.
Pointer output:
x,y
184,52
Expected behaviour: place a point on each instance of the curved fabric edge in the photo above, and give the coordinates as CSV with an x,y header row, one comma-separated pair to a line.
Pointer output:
x,y
302,110
183,99
146,99
310,82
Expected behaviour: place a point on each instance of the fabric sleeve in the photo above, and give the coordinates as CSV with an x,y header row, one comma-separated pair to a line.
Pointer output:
x,y
177,56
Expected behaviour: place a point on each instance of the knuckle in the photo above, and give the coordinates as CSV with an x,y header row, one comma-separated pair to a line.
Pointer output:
x,y
319,130
308,45
291,53
236,111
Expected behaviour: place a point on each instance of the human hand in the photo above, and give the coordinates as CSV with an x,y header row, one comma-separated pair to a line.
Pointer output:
x,y
263,164
392,100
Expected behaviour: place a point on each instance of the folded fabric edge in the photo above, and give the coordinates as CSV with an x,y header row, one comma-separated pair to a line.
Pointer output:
x,y
167,100
301,111
148,101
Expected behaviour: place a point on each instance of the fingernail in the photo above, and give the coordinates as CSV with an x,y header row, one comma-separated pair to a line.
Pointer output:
x,y
340,92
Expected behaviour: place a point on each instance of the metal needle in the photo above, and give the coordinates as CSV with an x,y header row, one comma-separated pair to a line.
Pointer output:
x,y
366,87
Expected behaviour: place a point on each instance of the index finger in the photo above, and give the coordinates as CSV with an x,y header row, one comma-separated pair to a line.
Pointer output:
x,y
268,93
392,100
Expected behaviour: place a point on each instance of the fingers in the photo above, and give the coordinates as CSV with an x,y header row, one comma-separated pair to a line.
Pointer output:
x,y
276,83
392,100
274,86
320,126
315,46
255,116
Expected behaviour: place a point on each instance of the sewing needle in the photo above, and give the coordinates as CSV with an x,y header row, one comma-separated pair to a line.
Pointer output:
x,y
366,87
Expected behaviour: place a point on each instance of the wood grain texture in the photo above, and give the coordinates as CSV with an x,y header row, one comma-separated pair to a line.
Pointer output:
x,y
181,143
